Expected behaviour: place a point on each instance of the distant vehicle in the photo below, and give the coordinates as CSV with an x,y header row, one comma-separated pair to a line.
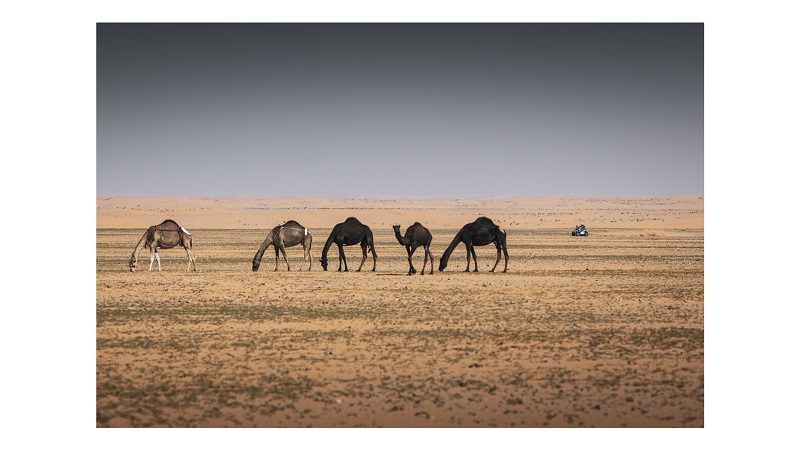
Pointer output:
x,y
580,230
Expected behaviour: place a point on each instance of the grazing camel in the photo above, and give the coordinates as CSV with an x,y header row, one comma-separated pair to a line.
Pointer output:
x,y
167,234
287,235
481,232
350,232
416,235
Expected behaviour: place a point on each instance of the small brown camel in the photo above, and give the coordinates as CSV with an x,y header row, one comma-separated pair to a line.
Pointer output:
x,y
167,234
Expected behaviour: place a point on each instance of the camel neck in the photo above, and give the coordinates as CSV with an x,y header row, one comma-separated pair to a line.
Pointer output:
x,y
263,248
327,246
452,246
400,238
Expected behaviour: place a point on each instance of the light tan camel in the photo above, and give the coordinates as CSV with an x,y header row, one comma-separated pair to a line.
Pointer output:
x,y
167,234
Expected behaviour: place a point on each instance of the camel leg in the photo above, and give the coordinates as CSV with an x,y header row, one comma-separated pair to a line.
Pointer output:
x,y
194,260
342,257
468,256
158,260
374,256
424,260
307,245
505,253
152,257
497,261
283,250
411,270
276,258
189,257
363,256
430,255
474,257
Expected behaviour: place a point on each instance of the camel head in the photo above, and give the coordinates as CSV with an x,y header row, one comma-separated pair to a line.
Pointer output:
x,y
396,228
442,263
324,262
256,264
132,264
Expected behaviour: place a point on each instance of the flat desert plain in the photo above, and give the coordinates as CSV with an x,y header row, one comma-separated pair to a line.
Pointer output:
x,y
604,331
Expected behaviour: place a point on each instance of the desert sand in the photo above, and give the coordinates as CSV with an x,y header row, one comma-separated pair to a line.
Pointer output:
x,y
605,331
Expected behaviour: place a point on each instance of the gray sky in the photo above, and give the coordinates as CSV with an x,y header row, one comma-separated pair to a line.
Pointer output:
x,y
399,109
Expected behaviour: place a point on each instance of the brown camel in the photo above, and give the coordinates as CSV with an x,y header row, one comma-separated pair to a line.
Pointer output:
x,y
167,234
287,235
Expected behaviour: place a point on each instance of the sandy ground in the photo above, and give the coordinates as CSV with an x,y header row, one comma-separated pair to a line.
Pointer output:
x,y
603,331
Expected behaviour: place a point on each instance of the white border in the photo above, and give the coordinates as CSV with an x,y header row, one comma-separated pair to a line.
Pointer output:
x,y
49,187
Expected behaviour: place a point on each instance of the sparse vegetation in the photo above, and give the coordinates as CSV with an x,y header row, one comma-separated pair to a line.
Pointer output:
x,y
604,332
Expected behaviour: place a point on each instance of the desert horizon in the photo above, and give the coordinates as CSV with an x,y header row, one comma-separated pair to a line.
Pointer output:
x,y
207,212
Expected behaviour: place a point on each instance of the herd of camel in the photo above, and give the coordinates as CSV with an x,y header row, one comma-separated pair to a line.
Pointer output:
x,y
168,234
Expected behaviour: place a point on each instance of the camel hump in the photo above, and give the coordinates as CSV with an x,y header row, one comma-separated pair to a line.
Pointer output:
x,y
416,224
169,225
352,220
484,221
292,224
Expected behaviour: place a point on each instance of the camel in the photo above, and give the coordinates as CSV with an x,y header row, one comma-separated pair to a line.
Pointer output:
x,y
287,235
481,232
350,232
416,235
167,234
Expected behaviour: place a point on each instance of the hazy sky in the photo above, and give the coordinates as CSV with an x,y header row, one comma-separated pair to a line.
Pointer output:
x,y
400,109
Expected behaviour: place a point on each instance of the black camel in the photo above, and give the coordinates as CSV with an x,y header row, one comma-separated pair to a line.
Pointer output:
x,y
416,235
481,232
350,232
